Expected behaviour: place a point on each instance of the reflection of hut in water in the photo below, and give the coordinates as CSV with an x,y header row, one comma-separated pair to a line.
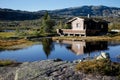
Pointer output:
x,y
76,46
81,47
95,46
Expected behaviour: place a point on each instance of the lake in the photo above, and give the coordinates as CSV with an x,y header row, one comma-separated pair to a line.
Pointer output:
x,y
65,50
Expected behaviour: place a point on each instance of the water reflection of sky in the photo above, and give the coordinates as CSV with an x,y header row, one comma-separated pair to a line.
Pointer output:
x,y
114,51
64,51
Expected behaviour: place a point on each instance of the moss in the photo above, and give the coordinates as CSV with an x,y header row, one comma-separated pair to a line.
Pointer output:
x,y
102,67
8,63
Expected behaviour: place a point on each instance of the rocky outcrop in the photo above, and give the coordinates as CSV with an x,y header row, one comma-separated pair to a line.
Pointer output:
x,y
47,70
103,55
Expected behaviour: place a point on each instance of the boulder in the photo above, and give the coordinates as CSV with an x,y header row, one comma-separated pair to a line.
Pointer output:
x,y
118,57
103,55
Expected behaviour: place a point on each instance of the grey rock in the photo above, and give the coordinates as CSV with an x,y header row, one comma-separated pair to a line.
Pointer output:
x,y
47,70
77,61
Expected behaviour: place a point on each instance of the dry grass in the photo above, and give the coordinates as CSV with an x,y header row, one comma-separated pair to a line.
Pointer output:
x,y
91,38
8,63
8,44
102,67
116,38
6,34
12,42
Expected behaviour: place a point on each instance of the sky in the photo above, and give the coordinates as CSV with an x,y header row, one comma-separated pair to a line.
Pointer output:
x,y
35,5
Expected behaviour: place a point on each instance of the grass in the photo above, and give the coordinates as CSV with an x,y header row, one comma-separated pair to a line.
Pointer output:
x,y
8,63
14,44
89,38
23,34
6,34
102,67
9,41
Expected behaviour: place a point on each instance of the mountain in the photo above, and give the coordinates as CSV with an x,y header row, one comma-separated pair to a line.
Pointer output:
x,y
85,10
9,14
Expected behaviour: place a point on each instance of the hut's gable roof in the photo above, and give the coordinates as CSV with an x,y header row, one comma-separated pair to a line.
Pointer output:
x,y
87,19
73,19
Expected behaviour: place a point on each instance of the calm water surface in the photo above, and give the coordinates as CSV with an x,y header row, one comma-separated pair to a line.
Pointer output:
x,y
65,50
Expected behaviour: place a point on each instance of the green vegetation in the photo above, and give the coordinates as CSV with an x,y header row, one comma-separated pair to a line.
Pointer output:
x,y
26,24
62,25
47,24
8,63
101,67
6,34
114,25
113,35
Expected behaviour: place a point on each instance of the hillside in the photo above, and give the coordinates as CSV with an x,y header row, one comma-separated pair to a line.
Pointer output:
x,y
9,14
92,10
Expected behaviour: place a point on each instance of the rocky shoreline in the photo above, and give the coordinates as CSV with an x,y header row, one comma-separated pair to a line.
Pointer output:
x,y
47,70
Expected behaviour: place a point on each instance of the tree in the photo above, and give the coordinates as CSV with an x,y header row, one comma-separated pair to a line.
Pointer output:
x,y
67,26
47,24
45,17
60,25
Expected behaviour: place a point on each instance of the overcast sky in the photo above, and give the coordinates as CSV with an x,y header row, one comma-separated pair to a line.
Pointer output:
x,y
35,5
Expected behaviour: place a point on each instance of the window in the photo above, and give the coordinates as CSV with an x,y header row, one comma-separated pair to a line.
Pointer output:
x,y
77,25
102,26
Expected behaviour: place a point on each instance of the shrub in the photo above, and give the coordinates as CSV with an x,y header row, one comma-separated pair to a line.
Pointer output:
x,y
6,62
103,67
